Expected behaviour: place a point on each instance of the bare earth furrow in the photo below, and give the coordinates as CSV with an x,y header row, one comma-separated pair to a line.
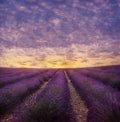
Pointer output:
x,y
77,103
17,113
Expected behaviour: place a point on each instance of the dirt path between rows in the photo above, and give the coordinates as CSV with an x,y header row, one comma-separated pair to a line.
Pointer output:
x,y
15,115
77,103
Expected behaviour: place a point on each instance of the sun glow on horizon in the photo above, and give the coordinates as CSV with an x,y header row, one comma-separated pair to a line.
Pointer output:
x,y
51,62
59,34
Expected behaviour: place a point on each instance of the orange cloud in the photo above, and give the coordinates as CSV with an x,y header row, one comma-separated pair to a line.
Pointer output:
x,y
46,57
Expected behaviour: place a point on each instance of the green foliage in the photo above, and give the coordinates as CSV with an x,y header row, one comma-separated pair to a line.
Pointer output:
x,y
55,90
105,79
44,112
1,84
86,83
7,96
117,85
99,95
4,104
2,107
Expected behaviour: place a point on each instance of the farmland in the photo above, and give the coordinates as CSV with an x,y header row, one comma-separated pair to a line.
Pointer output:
x,y
60,95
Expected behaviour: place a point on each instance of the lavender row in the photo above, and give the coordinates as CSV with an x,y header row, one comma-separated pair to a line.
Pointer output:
x,y
9,72
103,101
52,103
7,78
107,78
13,94
106,69
110,69
17,77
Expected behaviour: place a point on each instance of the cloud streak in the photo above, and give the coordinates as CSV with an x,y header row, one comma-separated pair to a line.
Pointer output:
x,y
59,33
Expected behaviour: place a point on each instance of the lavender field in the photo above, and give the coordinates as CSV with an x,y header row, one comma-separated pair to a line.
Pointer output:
x,y
60,95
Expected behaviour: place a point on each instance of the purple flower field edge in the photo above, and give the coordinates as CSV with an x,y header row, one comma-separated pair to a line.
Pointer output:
x,y
13,94
46,96
52,103
107,77
11,78
103,101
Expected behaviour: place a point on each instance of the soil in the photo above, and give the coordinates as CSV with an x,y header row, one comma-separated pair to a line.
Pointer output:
x,y
77,103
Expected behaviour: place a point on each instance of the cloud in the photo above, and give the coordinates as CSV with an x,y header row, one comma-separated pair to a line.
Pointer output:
x,y
59,32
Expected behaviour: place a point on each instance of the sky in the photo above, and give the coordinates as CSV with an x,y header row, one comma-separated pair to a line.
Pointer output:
x,y
59,33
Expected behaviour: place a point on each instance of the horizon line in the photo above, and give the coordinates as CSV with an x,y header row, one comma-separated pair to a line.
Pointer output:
x,y
61,67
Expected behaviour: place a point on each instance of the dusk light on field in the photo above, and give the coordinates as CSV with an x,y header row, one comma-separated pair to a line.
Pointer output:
x,y
59,60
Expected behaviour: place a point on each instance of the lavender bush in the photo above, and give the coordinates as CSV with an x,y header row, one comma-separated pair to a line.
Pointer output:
x,y
12,94
103,101
108,78
10,78
52,102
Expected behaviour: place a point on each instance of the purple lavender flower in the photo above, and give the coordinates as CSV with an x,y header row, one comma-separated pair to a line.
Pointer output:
x,y
13,94
52,102
103,101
